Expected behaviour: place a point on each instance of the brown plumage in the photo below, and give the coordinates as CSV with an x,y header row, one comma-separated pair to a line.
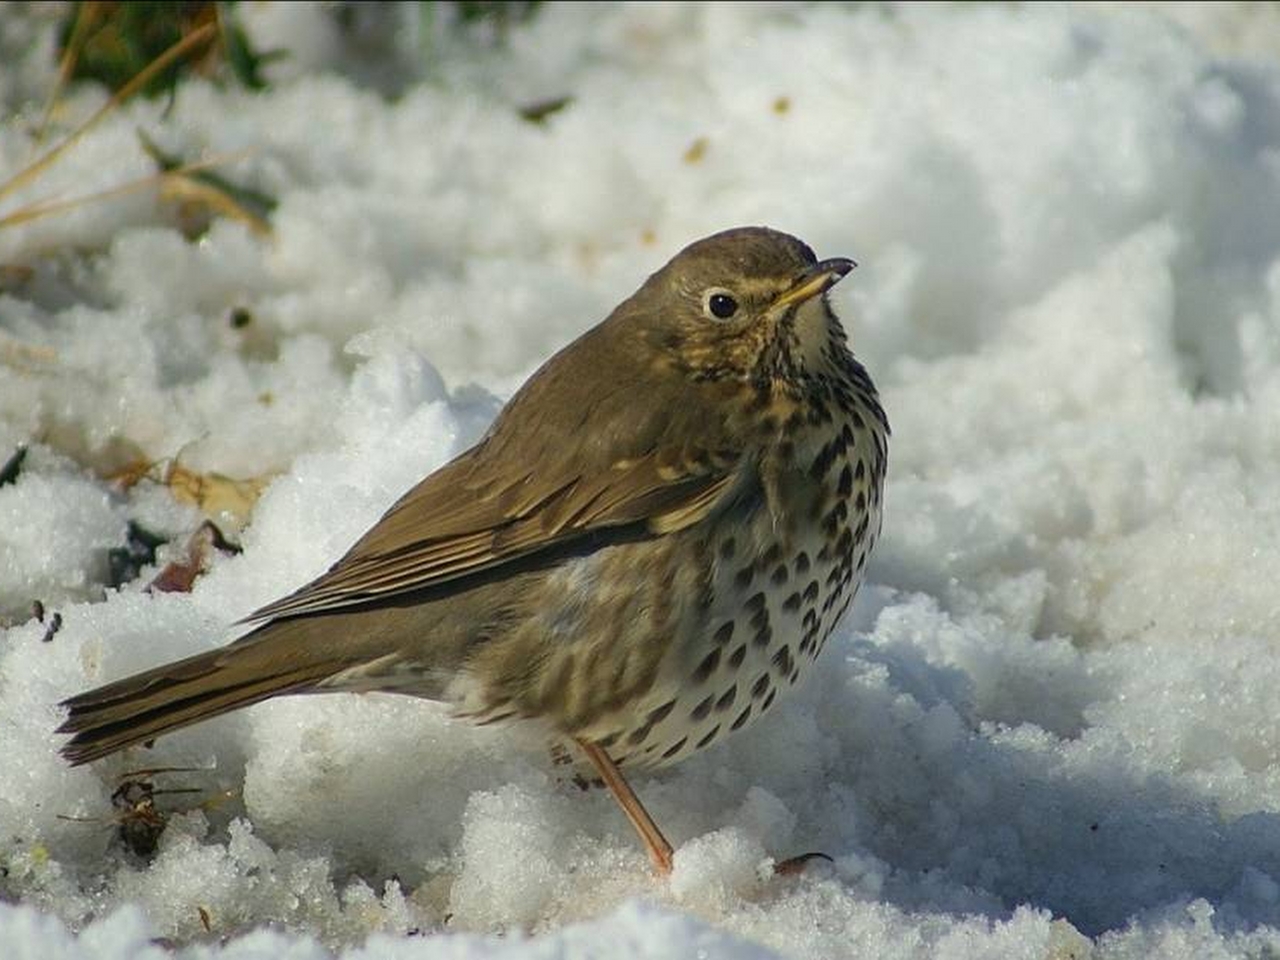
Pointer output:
x,y
658,532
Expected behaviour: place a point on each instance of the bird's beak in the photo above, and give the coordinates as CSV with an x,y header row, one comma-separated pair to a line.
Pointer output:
x,y
818,279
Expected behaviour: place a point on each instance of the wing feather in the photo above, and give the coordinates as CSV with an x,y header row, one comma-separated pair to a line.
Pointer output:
x,y
503,530
511,496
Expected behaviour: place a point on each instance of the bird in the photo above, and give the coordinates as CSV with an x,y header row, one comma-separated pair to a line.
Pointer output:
x,y
652,541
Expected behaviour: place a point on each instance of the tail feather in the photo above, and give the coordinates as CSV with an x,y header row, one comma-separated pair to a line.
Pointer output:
x,y
164,699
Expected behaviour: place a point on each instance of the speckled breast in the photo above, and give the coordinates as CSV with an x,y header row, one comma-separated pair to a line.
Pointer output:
x,y
782,573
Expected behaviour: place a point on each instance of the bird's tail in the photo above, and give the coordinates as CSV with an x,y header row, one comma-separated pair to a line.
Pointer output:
x,y
178,694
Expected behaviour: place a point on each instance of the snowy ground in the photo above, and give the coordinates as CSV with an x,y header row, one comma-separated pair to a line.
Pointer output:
x,y
1051,725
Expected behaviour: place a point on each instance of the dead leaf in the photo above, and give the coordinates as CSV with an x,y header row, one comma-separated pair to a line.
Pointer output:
x,y
215,494
178,576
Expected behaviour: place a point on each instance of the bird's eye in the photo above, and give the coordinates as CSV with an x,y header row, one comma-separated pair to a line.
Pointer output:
x,y
721,304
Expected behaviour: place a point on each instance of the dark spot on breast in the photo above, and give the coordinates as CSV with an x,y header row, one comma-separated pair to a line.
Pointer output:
x,y
782,659
768,701
660,714
606,742
759,620
711,735
802,563
724,633
742,579
792,603
738,655
675,748
707,666
743,717
755,603
832,521
795,675
779,575
763,635
845,486
640,735
821,463
726,699
760,687
860,470
811,594
771,556
809,642
728,545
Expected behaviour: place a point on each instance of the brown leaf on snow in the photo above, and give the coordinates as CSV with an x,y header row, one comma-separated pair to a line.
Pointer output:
x,y
179,575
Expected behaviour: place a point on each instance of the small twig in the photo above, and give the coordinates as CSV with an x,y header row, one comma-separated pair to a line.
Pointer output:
x,y
144,77
85,18
151,771
34,211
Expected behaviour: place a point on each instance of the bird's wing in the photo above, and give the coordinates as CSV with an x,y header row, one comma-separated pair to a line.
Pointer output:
x,y
476,513
600,440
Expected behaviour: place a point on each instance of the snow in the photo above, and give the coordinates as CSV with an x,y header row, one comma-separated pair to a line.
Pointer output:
x,y
1048,727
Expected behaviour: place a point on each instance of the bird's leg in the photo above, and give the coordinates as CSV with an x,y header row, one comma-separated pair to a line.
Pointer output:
x,y
659,849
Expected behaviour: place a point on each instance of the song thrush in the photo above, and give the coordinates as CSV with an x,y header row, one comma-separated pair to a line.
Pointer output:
x,y
654,538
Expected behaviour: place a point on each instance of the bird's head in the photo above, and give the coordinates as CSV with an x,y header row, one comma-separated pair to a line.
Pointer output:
x,y
747,304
